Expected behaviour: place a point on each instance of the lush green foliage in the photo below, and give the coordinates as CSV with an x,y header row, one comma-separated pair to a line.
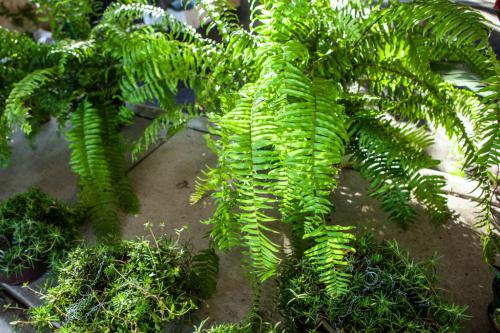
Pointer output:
x,y
311,86
34,228
389,292
81,87
20,55
77,84
127,287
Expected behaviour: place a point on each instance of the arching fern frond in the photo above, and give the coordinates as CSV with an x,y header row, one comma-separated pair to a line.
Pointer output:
x,y
16,112
395,178
161,128
454,24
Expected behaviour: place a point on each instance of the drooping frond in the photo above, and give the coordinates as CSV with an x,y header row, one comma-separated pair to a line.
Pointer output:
x,y
489,125
332,243
487,167
88,160
19,56
395,178
16,112
206,270
161,128
97,158
248,160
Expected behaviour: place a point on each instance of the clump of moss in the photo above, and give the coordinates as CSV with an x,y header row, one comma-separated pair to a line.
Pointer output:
x,y
389,292
124,287
34,227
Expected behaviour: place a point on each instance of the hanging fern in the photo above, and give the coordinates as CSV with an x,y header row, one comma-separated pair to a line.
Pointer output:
x,y
311,83
81,86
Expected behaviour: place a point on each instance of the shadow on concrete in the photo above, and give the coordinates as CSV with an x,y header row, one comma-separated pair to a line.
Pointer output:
x,y
464,277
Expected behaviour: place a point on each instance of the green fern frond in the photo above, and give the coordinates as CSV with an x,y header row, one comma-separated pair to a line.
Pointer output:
x,y
206,270
328,256
88,160
248,160
17,110
489,154
452,23
161,128
395,177
97,158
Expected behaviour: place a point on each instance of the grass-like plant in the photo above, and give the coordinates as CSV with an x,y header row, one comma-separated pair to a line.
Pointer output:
x,y
389,292
245,327
34,228
130,286
312,84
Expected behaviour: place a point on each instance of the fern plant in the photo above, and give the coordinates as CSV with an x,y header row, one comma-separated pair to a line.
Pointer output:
x,y
78,84
312,85
84,84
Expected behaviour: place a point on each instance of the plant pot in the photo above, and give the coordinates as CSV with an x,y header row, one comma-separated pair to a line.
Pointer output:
x,y
495,304
491,317
26,275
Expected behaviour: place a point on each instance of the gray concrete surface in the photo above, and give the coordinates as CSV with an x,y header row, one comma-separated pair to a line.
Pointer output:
x,y
45,162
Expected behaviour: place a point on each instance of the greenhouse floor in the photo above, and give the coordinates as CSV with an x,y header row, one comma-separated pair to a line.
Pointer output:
x,y
165,178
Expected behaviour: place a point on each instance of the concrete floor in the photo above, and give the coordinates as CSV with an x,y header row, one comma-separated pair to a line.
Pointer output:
x,y
165,179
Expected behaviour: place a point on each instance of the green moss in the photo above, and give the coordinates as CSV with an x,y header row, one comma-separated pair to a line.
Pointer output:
x,y
126,287
389,292
34,227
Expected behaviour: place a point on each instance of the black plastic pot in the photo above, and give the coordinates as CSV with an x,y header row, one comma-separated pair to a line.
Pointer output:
x,y
26,275
495,304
